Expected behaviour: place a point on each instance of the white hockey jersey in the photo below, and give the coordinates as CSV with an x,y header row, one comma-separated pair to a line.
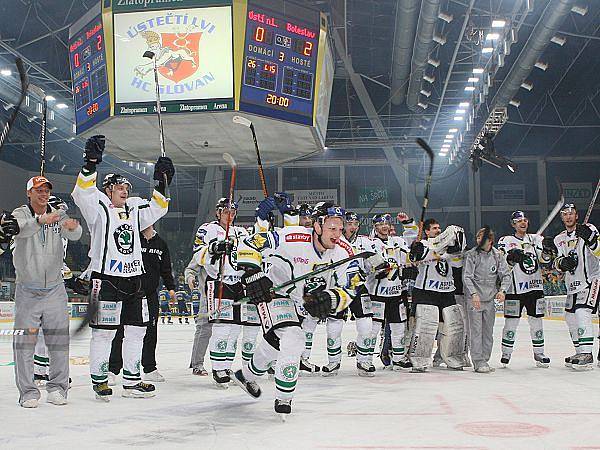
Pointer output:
x,y
588,265
435,272
395,251
527,275
287,253
115,247
212,232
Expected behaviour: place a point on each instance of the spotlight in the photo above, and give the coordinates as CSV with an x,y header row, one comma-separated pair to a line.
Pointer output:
x,y
485,151
558,40
429,78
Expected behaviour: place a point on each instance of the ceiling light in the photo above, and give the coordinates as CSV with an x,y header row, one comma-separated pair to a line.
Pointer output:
x,y
52,158
457,118
439,39
464,104
461,111
452,130
478,70
50,98
492,37
449,136
8,106
447,141
558,40
473,79
469,88
433,62
527,85
442,154
422,105
498,23
487,49
429,78
578,9
446,17
61,106
426,93
514,102
70,139
6,72
541,65
62,169
52,129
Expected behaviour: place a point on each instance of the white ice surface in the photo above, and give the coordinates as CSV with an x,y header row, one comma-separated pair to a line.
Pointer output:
x,y
518,407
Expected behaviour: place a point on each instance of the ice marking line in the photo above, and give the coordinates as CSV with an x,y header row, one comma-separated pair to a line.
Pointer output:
x,y
453,447
509,404
500,429
444,404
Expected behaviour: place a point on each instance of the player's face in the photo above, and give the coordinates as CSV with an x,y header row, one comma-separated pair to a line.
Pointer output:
x,y
305,221
227,216
569,218
351,228
38,197
521,225
332,229
118,193
382,229
433,231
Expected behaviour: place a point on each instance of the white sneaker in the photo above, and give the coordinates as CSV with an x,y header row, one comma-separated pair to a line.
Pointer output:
x,y
56,398
112,379
31,403
154,376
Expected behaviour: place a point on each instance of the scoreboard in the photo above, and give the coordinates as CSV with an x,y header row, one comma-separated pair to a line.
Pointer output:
x,y
280,61
87,58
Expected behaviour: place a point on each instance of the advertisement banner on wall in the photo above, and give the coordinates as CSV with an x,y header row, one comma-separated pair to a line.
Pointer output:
x,y
578,193
508,194
369,195
193,51
248,199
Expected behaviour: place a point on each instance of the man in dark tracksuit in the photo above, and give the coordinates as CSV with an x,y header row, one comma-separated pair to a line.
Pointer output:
x,y
157,263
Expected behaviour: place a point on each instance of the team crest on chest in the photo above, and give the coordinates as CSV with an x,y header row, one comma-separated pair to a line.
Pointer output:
x,y
442,267
124,239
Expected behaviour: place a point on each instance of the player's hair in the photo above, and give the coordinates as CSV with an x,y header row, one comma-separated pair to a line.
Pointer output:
x,y
427,224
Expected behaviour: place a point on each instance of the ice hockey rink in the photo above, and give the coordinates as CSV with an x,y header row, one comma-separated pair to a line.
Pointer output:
x,y
518,407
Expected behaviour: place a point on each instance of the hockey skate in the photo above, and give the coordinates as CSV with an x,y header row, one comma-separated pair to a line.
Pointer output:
x,y
250,387
154,376
307,368
583,362
505,359
40,380
221,378
331,369
102,391
140,390
283,408
418,369
200,371
541,360
569,360
365,369
351,349
271,373
386,359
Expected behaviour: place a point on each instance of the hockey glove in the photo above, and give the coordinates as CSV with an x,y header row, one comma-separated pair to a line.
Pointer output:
x,y
264,208
382,270
9,226
283,201
314,285
515,256
94,147
548,246
321,304
567,264
218,248
585,233
455,248
258,287
410,273
164,166
78,285
417,251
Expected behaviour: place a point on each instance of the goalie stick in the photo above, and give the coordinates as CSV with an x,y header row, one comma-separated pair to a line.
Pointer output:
x,y
15,113
429,152
247,123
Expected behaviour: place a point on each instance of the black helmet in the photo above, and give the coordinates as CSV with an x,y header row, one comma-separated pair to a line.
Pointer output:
x,y
111,179
304,210
380,218
224,203
351,216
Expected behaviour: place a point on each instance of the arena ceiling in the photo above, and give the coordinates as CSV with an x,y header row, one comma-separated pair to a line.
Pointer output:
x,y
415,88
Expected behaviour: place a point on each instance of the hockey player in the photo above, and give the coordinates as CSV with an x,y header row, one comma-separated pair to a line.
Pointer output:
x,y
164,298
434,302
304,215
388,296
114,220
278,256
182,297
360,308
525,253
486,277
40,296
578,254
210,247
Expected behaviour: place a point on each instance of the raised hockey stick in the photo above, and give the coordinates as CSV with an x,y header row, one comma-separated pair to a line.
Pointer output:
x,y
247,123
425,146
227,157
150,55
559,204
592,203
17,108
40,93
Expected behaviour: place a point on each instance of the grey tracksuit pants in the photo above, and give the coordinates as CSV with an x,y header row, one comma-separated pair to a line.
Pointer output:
x,y
201,338
35,308
481,324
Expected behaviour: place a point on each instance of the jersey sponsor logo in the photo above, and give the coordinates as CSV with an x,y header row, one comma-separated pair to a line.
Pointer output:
x,y
301,260
123,236
388,291
529,265
298,237
346,247
439,285
118,266
530,285
259,241
441,267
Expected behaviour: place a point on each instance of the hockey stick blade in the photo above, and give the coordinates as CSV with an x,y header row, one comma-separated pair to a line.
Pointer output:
x,y
227,157
242,121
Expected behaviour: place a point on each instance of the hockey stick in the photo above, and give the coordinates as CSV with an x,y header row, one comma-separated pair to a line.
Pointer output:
x,y
333,265
40,93
559,204
429,152
592,203
15,113
150,55
227,157
247,123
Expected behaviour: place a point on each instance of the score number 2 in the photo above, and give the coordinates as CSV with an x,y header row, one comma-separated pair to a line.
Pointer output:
x,y
276,100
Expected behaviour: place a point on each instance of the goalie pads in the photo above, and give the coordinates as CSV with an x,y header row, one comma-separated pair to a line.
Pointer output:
x,y
423,336
452,336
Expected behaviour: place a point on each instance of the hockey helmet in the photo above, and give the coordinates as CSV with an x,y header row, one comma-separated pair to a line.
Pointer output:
x,y
110,179
568,207
224,203
351,216
381,218
304,210
517,216
327,209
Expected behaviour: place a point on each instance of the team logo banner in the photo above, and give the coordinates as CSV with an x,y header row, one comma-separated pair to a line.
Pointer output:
x,y
193,52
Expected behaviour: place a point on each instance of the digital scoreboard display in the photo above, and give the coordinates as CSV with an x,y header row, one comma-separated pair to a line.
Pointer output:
x,y
280,61
87,58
